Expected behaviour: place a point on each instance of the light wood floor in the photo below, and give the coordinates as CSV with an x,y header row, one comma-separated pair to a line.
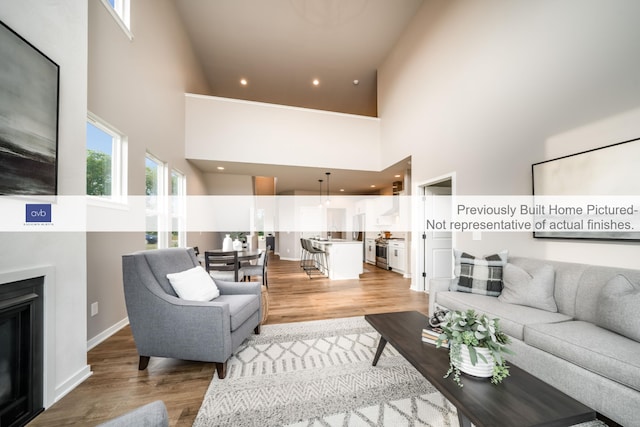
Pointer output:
x,y
117,386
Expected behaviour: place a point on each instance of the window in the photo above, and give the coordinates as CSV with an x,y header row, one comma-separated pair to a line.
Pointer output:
x,y
165,222
120,11
155,190
106,161
178,198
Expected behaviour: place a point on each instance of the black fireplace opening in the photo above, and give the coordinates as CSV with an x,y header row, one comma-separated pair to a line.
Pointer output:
x,y
21,351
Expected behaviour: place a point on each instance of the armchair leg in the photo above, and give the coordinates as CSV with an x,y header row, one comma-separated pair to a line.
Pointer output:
x,y
221,368
143,363
257,330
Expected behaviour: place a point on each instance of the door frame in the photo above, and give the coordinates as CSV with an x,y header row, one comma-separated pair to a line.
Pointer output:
x,y
418,248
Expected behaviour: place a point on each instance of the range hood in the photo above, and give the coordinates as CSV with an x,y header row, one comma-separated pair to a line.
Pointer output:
x,y
395,207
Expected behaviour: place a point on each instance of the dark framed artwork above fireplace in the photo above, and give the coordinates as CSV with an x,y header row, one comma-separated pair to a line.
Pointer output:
x,y
29,86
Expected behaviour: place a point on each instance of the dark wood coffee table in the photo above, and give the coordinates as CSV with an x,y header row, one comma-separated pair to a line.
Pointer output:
x,y
520,400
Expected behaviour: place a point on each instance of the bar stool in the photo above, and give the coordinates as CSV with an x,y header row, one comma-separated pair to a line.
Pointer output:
x,y
304,254
317,261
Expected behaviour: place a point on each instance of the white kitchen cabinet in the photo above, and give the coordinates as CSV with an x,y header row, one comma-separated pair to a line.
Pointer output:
x,y
396,256
370,251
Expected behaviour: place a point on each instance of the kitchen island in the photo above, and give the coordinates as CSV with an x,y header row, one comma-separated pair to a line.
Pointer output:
x,y
344,258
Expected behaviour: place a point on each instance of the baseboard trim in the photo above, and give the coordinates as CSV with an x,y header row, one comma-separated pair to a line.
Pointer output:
x,y
63,389
102,336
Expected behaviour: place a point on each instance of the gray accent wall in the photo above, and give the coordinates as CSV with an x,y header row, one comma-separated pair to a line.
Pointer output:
x,y
138,86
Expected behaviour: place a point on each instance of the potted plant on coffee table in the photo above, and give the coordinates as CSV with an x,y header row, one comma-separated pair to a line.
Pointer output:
x,y
476,346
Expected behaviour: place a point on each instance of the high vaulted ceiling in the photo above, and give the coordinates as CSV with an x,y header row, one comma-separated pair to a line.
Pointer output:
x,y
280,47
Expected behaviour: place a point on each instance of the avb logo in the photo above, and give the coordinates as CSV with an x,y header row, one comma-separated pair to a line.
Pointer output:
x,y
38,213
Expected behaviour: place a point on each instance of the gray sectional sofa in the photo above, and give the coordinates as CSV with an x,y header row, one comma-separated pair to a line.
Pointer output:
x,y
589,348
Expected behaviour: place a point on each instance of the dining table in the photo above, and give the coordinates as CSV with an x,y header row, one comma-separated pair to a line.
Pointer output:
x,y
243,255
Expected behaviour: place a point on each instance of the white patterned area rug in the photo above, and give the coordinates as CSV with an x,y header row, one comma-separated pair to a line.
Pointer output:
x,y
319,373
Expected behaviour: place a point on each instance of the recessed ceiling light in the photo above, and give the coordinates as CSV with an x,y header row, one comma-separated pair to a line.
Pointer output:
x,y
397,176
220,168
356,82
316,82
373,186
342,189
243,82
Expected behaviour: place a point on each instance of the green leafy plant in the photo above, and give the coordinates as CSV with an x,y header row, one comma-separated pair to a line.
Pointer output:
x,y
98,173
473,330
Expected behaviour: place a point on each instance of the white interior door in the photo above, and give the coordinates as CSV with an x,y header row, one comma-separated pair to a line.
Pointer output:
x,y
437,244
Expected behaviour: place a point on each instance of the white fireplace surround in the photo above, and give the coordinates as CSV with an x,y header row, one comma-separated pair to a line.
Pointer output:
x,y
49,319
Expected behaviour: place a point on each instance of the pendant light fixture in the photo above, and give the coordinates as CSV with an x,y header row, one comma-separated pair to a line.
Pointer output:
x,y
328,197
320,204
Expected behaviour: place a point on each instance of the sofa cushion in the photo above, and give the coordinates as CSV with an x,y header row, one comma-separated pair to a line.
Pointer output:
x,y
532,288
478,275
591,347
241,307
619,306
512,317
588,294
194,284
567,280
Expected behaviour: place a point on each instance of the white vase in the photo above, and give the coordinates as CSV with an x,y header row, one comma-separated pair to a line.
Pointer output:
x,y
237,245
227,244
481,369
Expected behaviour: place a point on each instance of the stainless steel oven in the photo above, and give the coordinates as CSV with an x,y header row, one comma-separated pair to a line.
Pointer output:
x,y
381,255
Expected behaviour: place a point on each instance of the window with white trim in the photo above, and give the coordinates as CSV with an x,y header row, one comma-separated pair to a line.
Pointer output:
x,y
106,161
156,209
120,11
178,237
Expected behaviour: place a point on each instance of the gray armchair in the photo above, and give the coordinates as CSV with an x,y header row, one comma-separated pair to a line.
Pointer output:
x,y
164,325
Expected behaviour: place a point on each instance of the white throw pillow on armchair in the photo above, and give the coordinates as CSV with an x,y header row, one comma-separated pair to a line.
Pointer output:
x,y
194,284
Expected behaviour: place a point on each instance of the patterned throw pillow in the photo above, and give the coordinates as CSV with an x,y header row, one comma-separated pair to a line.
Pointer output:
x,y
479,275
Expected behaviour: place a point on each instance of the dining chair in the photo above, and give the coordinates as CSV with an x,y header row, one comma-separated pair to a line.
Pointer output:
x,y
196,250
260,268
223,265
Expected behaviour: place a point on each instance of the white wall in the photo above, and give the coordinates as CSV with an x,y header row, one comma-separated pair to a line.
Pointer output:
x,y
619,128
477,87
59,29
138,86
253,132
